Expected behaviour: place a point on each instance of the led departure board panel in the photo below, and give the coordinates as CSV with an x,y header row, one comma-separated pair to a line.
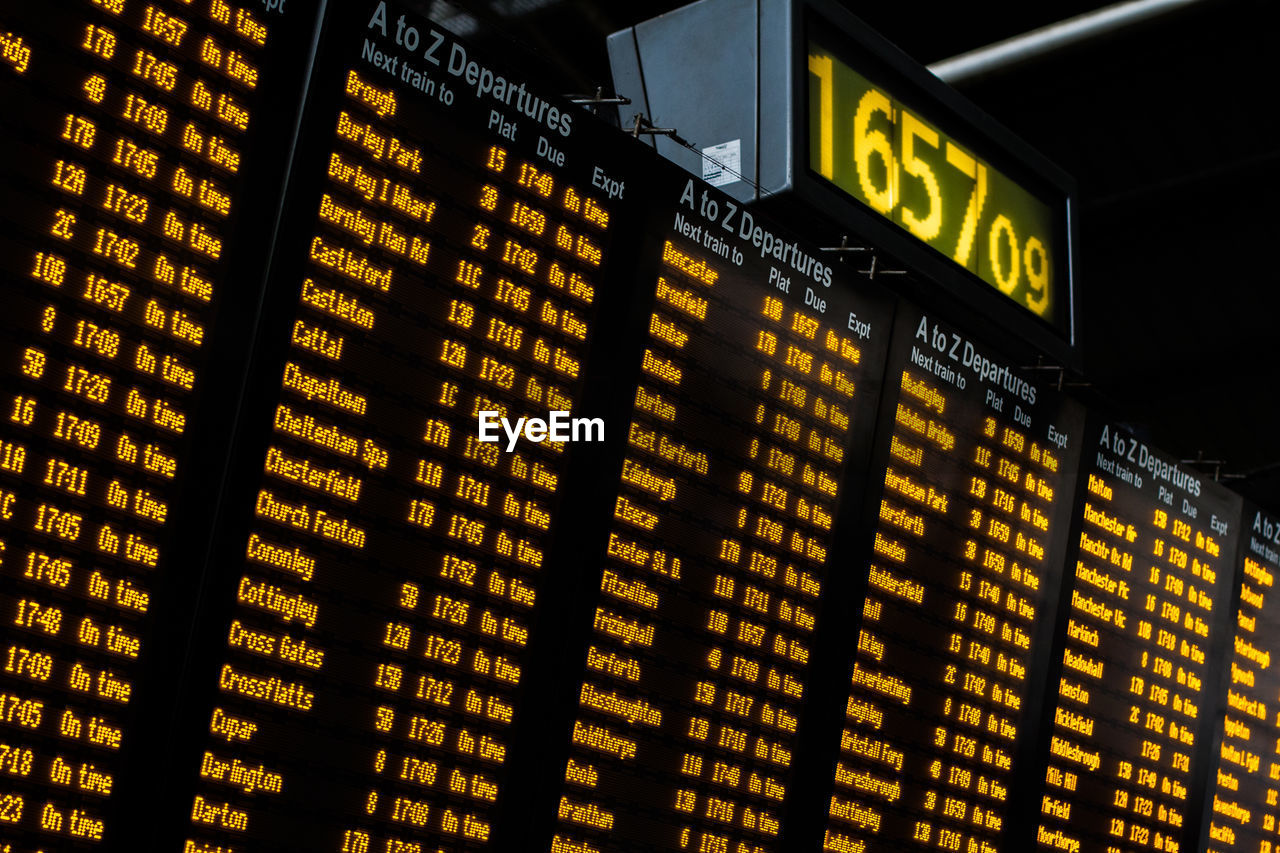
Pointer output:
x,y
446,251
132,167
1143,605
961,580
1243,800
757,374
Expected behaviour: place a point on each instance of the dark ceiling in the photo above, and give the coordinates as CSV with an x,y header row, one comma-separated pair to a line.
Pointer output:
x,y
1171,130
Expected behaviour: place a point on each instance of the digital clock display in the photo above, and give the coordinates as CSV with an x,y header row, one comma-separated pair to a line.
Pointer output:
x,y
897,159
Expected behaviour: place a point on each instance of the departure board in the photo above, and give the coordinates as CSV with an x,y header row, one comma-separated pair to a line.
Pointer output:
x,y
1143,605
756,374
970,526
136,163
1243,797
395,458
446,248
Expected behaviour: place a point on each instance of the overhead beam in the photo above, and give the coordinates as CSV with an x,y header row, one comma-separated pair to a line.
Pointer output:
x,y
1010,53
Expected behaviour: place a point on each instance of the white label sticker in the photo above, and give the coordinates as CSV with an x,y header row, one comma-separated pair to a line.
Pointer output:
x,y
722,164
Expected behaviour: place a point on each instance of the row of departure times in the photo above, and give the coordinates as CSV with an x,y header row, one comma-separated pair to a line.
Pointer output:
x,y
1143,603
747,411
128,124
443,276
963,556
